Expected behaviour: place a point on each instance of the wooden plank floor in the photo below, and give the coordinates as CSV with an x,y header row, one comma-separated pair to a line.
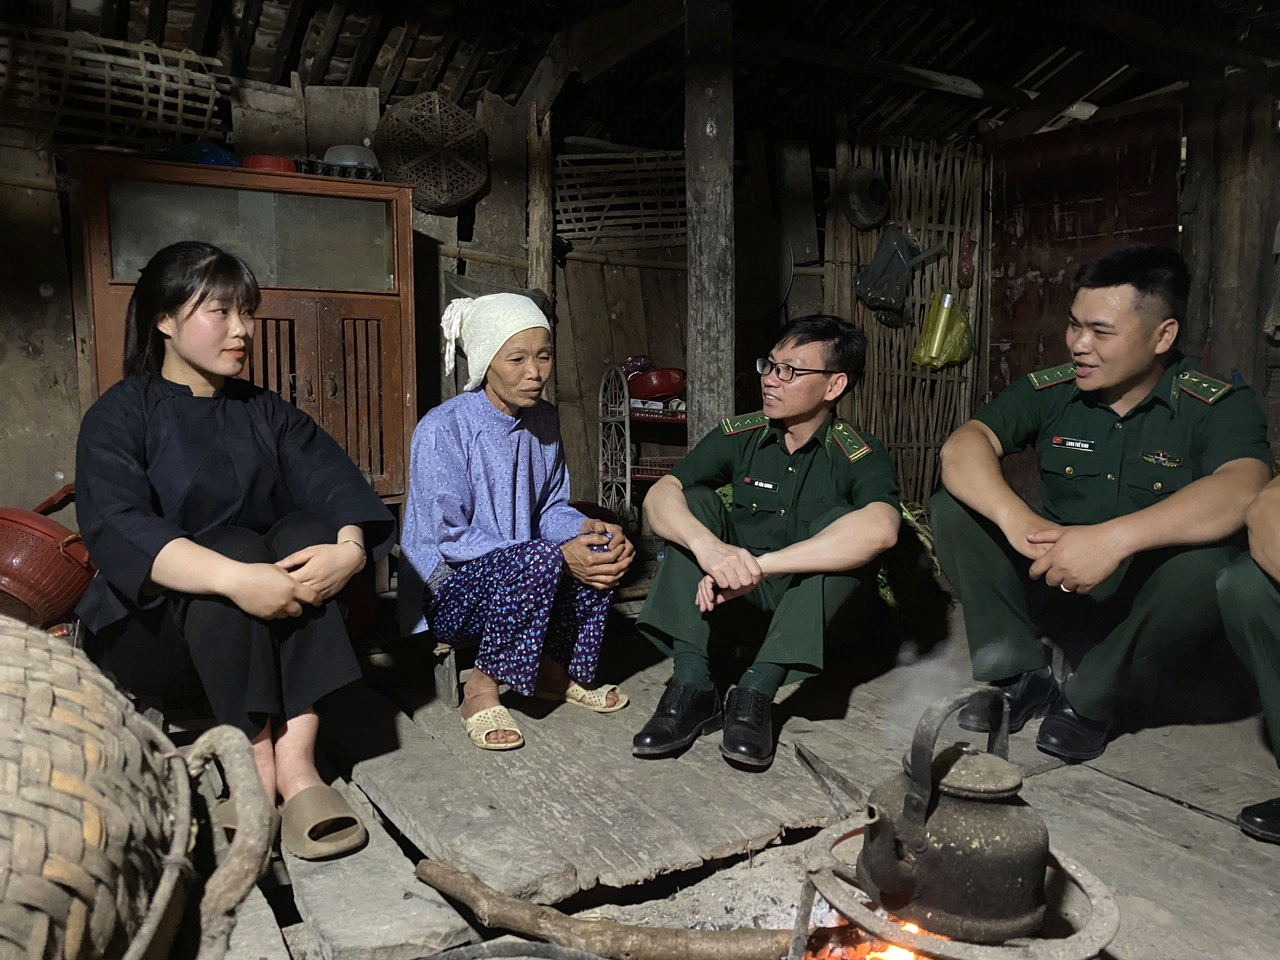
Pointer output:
x,y
573,809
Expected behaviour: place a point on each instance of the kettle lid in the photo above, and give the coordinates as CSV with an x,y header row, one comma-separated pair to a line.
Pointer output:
x,y
963,771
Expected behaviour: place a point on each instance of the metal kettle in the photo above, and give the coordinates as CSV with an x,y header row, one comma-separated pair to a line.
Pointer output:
x,y
948,843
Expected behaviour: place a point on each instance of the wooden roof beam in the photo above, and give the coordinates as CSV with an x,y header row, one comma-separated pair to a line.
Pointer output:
x,y
597,44
324,46
243,43
478,50
851,62
439,60
202,25
157,15
1078,81
401,53
294,21
1167,35
367,46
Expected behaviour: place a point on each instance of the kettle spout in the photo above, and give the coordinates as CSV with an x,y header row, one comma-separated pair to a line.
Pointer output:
x,y
881,857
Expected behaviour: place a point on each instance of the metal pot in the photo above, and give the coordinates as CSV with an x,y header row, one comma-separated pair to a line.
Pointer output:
x,y
949,844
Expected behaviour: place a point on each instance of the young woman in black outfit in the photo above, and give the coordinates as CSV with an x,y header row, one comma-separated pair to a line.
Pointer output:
x,y
223,522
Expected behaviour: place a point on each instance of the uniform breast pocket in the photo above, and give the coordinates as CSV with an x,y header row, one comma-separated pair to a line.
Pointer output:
x,y
1069,476
1148,483
756,511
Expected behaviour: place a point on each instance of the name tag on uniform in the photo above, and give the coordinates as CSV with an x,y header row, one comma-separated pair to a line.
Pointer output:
x,y
1160,458
1071,443
761,484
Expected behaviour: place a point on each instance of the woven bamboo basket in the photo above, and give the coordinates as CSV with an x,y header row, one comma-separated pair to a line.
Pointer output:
x,y
95,813
434,146
121,92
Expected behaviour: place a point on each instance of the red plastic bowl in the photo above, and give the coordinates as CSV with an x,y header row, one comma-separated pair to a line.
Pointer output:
x,y
661,384
265,161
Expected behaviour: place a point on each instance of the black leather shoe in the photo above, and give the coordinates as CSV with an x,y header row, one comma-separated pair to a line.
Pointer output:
x,y
748,728
1066,734
1261,820
684,714
1028,696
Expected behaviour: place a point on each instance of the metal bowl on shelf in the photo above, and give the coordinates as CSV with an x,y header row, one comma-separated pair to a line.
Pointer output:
x,y
661,384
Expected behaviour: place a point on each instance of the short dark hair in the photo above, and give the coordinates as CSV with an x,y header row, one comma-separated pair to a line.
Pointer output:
x,y
1152,270
846,344
172,277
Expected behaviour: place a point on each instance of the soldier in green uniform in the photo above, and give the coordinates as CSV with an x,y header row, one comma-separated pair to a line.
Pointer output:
x,y
1147,465
1250,599
814,503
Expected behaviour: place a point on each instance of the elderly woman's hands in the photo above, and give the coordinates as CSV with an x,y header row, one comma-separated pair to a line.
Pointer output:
x,y
596,567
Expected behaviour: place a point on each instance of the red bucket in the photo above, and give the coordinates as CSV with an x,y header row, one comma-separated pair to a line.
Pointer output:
x,y
44,567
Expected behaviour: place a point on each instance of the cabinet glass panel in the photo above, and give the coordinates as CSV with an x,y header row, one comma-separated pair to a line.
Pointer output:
x,y
293,240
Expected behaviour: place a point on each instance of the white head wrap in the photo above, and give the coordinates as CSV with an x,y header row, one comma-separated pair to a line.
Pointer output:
x,y
481,326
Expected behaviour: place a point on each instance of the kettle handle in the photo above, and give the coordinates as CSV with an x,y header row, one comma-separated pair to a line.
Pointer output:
x,y
915,806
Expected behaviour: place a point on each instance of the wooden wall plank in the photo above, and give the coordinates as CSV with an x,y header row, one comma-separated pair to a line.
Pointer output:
x,y
708,136
588,304
575,406
1061,199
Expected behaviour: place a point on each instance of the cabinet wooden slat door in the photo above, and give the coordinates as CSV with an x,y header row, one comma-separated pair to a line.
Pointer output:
x,y
284,350
362,399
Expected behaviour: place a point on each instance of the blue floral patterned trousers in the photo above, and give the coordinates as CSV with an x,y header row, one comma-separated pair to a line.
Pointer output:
x,y
521,604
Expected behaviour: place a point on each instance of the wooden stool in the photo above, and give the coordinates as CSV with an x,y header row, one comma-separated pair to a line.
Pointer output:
x,y
448,676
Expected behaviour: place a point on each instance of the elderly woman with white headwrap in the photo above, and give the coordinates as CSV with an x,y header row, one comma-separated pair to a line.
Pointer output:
x,y
491,550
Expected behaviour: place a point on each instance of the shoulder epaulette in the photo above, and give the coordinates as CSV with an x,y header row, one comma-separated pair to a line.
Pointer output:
x,y
852,445
1053,376
1202,386
743,422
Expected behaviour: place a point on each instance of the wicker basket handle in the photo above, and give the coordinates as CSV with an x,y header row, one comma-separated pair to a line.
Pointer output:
x,y
251,846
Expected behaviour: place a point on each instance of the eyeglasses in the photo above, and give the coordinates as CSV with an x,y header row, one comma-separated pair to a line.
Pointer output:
x,y
786,373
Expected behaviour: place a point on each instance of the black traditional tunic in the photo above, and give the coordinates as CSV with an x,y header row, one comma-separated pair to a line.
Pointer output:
x,y
155,463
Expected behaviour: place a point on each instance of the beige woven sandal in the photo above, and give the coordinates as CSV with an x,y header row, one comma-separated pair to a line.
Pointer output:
x,y
484,722
596,700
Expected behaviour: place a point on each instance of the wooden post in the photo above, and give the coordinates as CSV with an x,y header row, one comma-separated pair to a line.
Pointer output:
x,y
1199,214
542,220
708,146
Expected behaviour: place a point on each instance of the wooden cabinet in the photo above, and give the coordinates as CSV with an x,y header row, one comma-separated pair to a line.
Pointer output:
x,y
335,331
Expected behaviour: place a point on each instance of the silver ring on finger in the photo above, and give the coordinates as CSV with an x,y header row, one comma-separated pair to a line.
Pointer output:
x,y
1064,588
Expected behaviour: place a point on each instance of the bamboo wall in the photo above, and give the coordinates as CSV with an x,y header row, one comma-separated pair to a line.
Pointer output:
x,y
936,195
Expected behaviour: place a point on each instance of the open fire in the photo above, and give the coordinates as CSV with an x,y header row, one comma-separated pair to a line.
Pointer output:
x,y
846,942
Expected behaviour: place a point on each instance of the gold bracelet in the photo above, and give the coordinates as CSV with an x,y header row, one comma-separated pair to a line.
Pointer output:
x,y
356,542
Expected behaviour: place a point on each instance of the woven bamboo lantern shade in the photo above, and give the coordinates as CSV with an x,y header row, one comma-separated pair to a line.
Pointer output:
x,y
434,146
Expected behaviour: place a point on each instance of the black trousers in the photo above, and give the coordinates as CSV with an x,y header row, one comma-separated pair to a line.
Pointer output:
x,y
251,670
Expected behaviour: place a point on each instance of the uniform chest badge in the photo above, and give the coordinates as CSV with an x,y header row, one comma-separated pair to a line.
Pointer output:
x,y
760,484
1071,443
1162,459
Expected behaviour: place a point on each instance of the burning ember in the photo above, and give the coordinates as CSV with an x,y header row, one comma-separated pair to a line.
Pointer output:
x,y
846,942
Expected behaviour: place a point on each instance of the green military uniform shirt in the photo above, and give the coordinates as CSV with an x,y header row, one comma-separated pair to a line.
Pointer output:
x,y
1095,465
776,494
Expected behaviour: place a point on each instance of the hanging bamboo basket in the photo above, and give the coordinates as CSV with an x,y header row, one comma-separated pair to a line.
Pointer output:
x,y
57,81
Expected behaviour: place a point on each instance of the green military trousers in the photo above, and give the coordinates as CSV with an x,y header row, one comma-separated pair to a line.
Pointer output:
x,y
1139,626
1250,602
799,607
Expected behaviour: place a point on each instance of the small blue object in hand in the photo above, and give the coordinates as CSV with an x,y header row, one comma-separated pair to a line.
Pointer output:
x,y
601,547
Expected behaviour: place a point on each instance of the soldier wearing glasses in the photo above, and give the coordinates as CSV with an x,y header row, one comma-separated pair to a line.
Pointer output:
x,y
814,503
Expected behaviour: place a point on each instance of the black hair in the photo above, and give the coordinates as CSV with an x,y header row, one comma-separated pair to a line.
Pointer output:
x,y
846,344
1152,270
170,279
